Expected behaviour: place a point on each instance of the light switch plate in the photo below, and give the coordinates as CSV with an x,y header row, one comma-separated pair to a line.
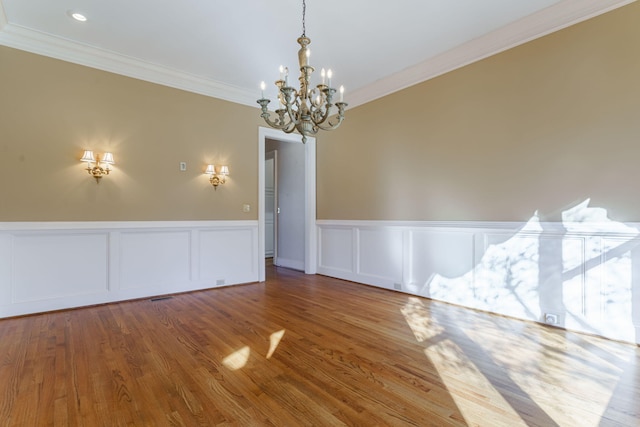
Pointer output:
x,y
183,166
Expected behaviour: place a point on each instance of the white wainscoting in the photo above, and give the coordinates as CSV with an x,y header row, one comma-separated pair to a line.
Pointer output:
x,y
585,273
56,265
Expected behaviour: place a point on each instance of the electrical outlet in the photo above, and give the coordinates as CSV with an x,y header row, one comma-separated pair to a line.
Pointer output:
x,y
551,319
246,208
219,282
397,286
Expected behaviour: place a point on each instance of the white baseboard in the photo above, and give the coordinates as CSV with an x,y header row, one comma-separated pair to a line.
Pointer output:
x,y
289,263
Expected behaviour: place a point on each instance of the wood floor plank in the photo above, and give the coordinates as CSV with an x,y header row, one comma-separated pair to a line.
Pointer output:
x,y
304,350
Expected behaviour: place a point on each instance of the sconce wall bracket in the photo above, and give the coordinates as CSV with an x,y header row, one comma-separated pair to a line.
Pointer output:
x,y
98,172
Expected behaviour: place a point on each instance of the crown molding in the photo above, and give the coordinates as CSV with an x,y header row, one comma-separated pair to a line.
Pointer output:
x,y
3,17
22,38
544,22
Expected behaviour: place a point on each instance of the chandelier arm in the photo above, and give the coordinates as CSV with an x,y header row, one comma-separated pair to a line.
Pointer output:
x,y
326,106
280,122
273,124
291,97
317,117
264,104
277,124
340,116
332,126
291,124
323,114
293,114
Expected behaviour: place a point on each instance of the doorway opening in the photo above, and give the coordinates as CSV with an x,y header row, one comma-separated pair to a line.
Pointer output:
x,y
309,216
271,206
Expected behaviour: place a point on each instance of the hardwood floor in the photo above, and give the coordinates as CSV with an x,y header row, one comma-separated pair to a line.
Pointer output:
x,y
307,351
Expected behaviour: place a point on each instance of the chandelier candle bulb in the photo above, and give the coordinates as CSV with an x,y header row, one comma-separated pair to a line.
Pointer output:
x,y
263,86
323,73
329,75
341,93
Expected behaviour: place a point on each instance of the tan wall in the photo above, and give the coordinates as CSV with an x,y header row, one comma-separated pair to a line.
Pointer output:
x,y
537,128
540,127
51,110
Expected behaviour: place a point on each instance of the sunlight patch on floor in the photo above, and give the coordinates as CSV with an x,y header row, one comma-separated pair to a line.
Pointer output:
x,y
421,326
455,369
274,340
557,373
459,373
238,359
541,371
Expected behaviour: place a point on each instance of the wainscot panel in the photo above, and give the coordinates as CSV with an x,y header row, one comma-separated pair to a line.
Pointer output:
x,y
574,274
57,265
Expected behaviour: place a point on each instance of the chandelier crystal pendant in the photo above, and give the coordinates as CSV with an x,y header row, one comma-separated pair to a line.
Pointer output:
x,y
308,109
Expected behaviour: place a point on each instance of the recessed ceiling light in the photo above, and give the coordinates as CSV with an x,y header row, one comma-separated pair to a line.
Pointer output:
x,y
77,16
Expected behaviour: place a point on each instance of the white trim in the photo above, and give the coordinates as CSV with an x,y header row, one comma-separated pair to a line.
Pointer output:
x,y
102,225
400,223
291,263
565,13
311,247
592,228
3,17
311,231
542,23
22,38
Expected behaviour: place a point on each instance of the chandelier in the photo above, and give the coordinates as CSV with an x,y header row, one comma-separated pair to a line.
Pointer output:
x,y
308,109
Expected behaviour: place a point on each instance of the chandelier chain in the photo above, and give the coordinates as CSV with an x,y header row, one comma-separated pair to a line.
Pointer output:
x,y
304,12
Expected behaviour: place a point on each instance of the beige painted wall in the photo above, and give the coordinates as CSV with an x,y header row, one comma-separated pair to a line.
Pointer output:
x,y
540,127
51,110
537,128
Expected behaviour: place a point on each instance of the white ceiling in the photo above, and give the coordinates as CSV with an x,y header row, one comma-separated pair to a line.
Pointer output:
x,y
225,48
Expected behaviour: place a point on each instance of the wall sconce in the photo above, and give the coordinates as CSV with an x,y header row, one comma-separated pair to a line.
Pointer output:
x,y
217,178
97,167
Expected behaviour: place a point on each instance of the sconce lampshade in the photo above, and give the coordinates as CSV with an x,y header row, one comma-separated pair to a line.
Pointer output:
x,y
108,158
88,157
211,170
224,170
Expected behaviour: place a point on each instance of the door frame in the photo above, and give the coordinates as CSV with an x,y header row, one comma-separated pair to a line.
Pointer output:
x,y
311,233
